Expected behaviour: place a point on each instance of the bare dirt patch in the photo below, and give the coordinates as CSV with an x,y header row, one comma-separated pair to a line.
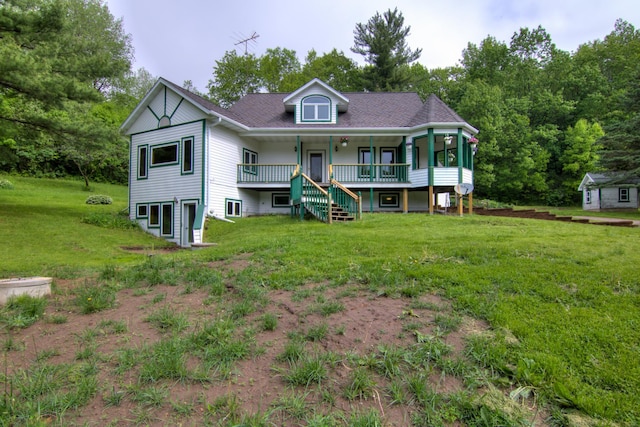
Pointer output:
x,y
357,324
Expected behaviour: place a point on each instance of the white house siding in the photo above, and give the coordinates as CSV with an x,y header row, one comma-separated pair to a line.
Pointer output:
x,y
225,153
609,199
467,176
146,121
445,176
166,184
316,90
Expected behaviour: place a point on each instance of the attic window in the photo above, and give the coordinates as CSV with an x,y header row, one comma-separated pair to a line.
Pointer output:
x,y
316,108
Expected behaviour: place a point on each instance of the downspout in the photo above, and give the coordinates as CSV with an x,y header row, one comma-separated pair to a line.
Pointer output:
x,y
206,165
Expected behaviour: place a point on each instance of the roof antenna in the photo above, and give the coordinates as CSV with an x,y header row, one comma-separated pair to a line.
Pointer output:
x,y
246,41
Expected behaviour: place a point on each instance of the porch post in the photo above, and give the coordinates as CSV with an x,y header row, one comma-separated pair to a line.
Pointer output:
x,y
330,172
430,149
471,202
461,156
371,171
298,150
405,200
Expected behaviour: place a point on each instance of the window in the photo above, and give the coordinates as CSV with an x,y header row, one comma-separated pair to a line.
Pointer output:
x,y
416,159
187,155
389,200
280,200
142,211
234,208
163,155
364,159
154,216
388,157
623,194
250,158
142,161
167,219
316,108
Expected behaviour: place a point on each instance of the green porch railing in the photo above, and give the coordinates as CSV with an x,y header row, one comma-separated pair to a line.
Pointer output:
x,y
263,173
346,199
307,196
378,172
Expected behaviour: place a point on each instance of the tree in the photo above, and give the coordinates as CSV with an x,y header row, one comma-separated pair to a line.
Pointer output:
x,y
275,65
580,154
333,68
382,42
57,58
233,77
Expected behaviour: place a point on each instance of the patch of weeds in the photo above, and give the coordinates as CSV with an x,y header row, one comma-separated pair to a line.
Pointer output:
x,y
448,322
217,345
301,295
158,298
429,349
206,278
127,358
361,385
397,392
56,319
322,420
489,351
5,184
255,420
225,408
113,397
306,371
418,304
340,330
269,322
151,396
114,221
47,354
368,418
317,333
86,353
165,359
11,344
142,416
293,351
113,326
423,395
141,292
94,297
242,308
389,360
291,405
184,409
168,319
22,311
327,308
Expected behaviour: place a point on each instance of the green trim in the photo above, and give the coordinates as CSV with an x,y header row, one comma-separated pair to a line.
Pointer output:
x,y
193,146
176,109
371,171
431,145
226,202
168,127
166,144
461,156
203,172
249,169
138,206
303,120
390,205
280,205
146,166
154,113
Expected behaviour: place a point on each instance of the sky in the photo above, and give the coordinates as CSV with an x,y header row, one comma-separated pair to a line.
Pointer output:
x,y
182,40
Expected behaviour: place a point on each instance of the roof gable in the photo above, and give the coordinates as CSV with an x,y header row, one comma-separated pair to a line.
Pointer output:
x,y
316,87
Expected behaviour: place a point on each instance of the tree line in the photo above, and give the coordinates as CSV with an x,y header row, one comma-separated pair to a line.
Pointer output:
x,y
546,116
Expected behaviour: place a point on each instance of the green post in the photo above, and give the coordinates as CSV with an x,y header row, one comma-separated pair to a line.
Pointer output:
x,y
371,171
431,149
461,155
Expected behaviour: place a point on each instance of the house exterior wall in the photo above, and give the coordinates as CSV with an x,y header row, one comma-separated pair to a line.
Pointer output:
x,y
166,184
590,199
610,198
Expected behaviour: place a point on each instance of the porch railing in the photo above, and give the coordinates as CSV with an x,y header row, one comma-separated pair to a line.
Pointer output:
x,y
346,199
265,173
308,196
378,172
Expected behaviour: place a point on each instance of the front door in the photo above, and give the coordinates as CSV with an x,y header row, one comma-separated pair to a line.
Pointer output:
x,y
316,166
188,218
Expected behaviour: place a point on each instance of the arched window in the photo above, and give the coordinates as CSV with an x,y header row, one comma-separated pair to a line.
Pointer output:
x,y
316,108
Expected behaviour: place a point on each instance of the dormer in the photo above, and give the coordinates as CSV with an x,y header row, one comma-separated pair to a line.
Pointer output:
x,y
316,103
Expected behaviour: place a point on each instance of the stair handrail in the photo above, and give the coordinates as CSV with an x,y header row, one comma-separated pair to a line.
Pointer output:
x,y
355,198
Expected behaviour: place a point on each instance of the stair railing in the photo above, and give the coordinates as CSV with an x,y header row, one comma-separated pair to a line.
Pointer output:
x,y
346,199
306,195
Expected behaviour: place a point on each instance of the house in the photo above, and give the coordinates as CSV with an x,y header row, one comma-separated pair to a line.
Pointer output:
x,y
315,151
609,190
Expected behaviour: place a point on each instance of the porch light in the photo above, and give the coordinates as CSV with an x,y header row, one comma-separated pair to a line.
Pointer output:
x,y
447,139
344,141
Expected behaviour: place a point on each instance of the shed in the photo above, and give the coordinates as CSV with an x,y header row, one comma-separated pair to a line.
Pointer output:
x,y
609,190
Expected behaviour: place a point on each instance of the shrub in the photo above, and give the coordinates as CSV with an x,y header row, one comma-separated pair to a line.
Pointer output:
x,y
99,199
5,184
110,220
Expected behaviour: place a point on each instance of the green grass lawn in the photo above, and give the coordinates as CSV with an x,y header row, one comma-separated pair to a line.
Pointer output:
x,y
42,230
562,299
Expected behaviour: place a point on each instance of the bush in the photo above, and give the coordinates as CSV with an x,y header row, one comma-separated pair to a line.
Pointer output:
x,y
5,184
110,220
99,199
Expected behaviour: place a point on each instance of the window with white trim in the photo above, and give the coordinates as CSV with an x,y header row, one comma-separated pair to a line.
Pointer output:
x,y
187,155
163,155
316,108
623,194
250,159
142,211
234,208
142,161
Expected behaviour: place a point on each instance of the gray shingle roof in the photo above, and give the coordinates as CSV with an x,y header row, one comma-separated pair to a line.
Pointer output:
x,y
366,110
